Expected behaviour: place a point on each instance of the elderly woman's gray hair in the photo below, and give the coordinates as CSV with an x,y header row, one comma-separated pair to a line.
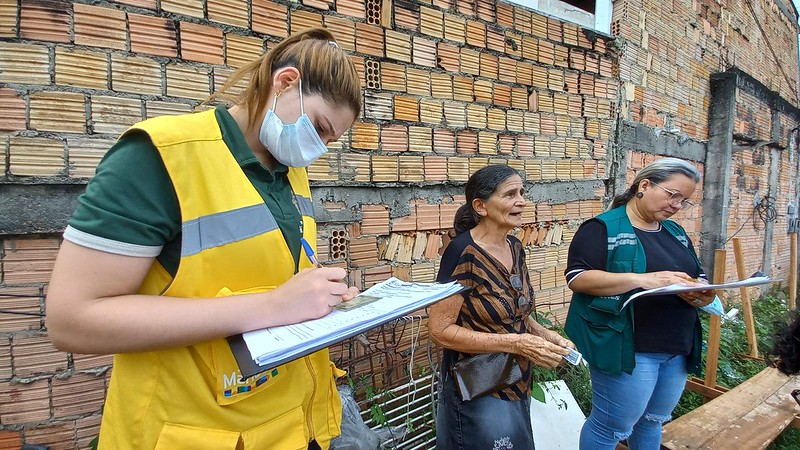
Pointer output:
x,y
657,172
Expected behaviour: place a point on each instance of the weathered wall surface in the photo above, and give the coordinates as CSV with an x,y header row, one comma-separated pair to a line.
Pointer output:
x,y
449,86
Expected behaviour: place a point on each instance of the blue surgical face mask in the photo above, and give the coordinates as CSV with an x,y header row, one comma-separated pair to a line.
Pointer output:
x,y
296,144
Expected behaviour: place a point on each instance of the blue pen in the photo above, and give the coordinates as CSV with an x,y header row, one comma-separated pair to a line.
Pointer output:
x,y
310,252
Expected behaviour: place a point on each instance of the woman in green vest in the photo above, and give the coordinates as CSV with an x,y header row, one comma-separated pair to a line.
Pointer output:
x,y
639,353
191,231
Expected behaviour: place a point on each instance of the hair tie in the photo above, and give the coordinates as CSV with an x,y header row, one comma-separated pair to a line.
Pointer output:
x,y
333,43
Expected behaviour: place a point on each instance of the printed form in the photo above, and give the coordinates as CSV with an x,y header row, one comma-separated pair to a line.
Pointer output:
x,y
377,305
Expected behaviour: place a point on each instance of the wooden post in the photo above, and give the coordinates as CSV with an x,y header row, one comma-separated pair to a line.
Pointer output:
x,y
792,271
747,307
712,352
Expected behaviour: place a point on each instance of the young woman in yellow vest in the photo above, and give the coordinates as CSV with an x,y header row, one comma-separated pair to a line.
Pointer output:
x,y
191,231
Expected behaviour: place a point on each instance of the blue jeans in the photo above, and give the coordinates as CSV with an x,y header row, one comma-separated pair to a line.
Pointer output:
x,y
634,406
483,423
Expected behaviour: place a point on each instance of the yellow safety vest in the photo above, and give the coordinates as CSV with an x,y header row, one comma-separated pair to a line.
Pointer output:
x,y
192,397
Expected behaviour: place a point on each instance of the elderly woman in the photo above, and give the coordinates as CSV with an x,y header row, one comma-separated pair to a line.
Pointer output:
x,y
638,355
491,317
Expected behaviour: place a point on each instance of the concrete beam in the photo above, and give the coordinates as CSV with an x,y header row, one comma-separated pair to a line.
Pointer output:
x,y
638,136
341,203
45,208
37,208
716,189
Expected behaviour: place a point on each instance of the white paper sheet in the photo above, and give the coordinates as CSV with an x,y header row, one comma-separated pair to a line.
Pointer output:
x,y
395,298
677,288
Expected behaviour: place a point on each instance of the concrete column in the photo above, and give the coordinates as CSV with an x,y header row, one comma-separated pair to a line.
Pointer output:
x,y
772,188
716,179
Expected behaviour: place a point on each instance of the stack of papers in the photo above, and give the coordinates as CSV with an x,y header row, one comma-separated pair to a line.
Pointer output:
x,y
384,302
677,288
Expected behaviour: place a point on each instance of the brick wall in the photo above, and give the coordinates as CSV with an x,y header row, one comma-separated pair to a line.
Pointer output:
x,y
449,86
667,52
671,48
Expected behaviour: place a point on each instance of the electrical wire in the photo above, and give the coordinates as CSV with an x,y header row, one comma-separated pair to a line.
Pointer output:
x,y
766,210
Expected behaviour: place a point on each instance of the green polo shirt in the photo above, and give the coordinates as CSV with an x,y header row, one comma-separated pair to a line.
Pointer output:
x,y
130,206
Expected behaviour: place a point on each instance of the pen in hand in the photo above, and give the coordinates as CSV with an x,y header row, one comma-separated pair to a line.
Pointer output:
x,y
310,253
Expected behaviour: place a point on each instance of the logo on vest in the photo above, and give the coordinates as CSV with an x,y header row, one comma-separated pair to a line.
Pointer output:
x,y
234,384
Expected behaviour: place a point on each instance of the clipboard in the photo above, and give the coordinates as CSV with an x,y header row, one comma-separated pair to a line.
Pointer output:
x,y
249,367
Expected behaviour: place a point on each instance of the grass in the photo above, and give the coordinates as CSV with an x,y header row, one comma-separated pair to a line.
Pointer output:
x,y
769,313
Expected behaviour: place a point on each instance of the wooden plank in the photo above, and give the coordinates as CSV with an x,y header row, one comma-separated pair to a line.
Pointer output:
x,y
714,323
747,308
754,412
695,384
758,428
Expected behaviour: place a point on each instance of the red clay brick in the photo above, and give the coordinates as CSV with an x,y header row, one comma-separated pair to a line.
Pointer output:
x,y
420,139
24,403
28,260
375,219
29,156
81,68
5,359
229,12
424,52
270,18
24,63
10,440
240,50
13,107
147,4
201,43
135,75
55,437
411,168
86,429
344,31
353,8
77,395
153,35
36,355
58,111
31,304
45,20
100,27
192,8
8,19
384,168
369,39
301,20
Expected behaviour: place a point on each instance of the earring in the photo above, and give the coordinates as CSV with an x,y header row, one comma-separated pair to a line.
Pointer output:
x,y
639,194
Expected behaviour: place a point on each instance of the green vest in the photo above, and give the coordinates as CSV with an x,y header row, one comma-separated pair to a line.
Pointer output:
x,y
602,331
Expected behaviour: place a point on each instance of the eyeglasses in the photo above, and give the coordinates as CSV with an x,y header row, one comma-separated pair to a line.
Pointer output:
x,y
516,284
675,197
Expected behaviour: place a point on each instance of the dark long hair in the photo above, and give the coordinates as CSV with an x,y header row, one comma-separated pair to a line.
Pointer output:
x,y
481,185
785,352
657,172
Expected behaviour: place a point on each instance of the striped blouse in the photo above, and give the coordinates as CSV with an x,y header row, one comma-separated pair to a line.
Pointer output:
x,y
497,303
